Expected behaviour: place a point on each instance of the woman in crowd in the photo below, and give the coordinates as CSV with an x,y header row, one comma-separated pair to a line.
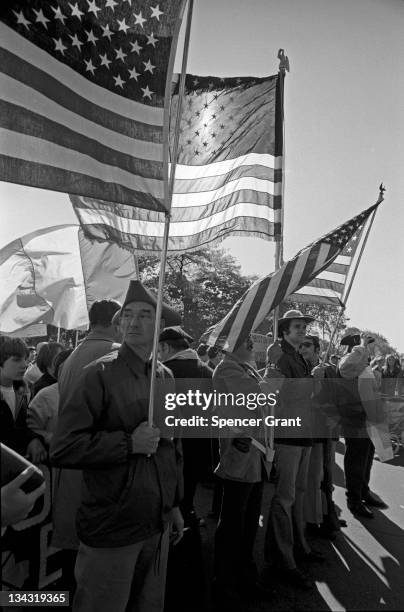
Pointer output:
x,y
46,363
391,372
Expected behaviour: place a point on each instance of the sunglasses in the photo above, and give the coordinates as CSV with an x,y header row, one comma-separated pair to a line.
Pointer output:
x,y
306,344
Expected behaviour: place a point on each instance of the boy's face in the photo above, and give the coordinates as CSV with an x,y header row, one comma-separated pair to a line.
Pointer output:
x,y
13,368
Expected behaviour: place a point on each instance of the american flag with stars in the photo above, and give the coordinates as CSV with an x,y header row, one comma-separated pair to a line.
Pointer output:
x,y
266,294
228,179
330,286
84,96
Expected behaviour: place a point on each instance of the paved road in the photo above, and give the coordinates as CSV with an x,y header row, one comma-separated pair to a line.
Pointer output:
x,y
364,566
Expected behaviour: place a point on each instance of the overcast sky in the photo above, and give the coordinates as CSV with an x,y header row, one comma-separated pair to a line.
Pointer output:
x,y
344,133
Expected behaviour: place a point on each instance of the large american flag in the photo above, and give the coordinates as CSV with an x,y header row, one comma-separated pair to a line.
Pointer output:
x,y
84,96
266,294
228,178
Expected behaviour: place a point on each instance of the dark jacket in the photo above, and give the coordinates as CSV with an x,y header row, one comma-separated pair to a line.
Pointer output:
x,y
15,433
186,364
187,368
45,381
326,418
295,398
126,497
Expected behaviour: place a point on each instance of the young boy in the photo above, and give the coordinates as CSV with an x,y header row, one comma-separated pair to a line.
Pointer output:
x,y
14,401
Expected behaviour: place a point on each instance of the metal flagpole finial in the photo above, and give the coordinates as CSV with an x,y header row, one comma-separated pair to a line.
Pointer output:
x,y
284,61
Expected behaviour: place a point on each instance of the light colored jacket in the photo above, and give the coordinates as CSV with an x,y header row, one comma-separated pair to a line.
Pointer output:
x,y
232,376
68,483
43,412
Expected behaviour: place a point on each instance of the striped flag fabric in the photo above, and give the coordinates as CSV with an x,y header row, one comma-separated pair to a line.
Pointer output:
x,y
228,178
330,285
85,93
53,276
266,294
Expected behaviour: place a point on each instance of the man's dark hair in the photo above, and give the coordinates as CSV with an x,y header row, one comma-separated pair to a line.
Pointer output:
x,y
283,326
101,312
47,354
12,347
61,358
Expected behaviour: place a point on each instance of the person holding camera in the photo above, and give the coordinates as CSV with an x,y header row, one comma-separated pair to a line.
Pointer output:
x,y
359,448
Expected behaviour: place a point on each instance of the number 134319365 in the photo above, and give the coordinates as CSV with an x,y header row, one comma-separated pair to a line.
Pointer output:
x,y
34,598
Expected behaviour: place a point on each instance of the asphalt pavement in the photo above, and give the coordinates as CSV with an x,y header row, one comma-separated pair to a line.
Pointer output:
x,y
363,568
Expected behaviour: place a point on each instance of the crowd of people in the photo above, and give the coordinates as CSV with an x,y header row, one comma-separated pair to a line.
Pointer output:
x,y
123,494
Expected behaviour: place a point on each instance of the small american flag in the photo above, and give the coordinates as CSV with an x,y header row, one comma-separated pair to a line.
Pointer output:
x,y
84,94
266,294
228,178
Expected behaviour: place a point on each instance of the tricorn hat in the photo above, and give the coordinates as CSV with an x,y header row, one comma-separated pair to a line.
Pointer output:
x,y
137,293
296,314
175,332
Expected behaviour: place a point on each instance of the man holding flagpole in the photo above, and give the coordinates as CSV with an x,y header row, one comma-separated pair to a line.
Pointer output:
x,y
132,477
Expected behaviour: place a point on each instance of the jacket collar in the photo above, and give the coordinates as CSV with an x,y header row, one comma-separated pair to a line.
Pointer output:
x,y
288,348
98,335
136,363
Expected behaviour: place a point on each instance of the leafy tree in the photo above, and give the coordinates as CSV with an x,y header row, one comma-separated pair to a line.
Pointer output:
x,y
381,345
202,285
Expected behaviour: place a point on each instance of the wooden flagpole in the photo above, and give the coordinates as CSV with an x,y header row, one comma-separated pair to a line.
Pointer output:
x,y
167,218
283,67
136,262
348,291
